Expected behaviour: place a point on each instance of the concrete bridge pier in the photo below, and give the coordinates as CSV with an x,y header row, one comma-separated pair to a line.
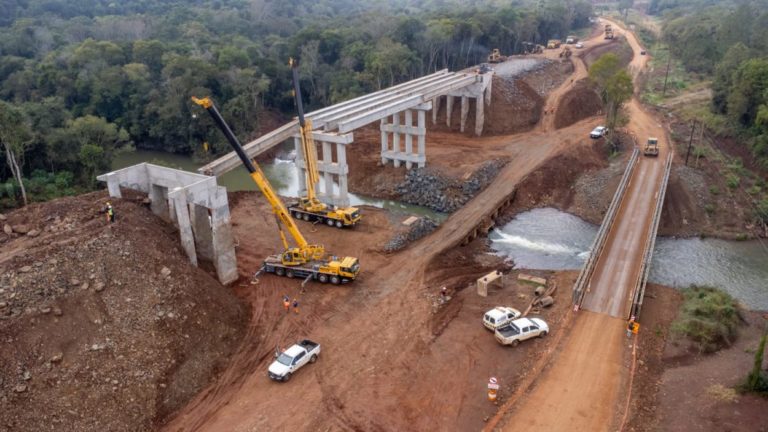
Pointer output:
x,y
194,203
408,131
334,187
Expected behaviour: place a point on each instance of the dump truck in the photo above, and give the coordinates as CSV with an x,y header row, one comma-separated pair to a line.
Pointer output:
x,y
651,147
554,43
496,57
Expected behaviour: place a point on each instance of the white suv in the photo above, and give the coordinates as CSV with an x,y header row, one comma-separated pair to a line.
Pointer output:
x,y
598,132
499,316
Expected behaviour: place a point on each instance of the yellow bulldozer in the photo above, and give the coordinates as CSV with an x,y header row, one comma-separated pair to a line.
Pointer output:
x,y
496,57
554,43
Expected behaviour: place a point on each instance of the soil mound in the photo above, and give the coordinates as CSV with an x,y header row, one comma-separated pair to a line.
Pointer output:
x,y
579,103
104,326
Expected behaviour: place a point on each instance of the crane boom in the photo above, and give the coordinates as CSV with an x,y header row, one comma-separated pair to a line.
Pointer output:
x,y
308,251
307,142
310,207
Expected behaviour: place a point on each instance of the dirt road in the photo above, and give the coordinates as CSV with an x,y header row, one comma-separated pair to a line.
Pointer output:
x,y
583,388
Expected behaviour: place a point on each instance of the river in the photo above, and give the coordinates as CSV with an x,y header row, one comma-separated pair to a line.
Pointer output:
x,y
281,173
550,239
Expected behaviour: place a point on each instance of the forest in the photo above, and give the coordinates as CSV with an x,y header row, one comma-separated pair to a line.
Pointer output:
x,y
727,43
81,80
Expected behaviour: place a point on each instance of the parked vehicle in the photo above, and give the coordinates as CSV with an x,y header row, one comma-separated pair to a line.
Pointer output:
x,y
598,132
499,316
579,45
294,358
520,330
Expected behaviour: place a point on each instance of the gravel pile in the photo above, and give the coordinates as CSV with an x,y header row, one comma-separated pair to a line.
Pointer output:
x,y
518,66
417,230
444,194
695,182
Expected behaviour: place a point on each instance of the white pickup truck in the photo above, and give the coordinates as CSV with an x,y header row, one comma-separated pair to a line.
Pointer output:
x,y
520,330
292,359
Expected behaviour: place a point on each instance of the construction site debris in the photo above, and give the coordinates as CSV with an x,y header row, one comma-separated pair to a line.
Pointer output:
x,y
532,279
429,188
418,229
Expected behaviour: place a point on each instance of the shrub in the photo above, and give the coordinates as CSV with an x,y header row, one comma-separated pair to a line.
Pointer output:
x,y
757,380
708,317
714,190
732,181
709,208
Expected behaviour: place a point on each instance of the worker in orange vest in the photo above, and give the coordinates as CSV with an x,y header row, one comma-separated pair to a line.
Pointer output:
x,y
287,303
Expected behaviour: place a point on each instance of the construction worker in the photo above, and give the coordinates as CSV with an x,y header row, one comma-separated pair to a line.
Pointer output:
x,y
296,306
630,327
286,303
110,211
443,292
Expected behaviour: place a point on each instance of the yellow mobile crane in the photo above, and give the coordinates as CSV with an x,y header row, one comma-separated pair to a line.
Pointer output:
x,y
304,260
310,208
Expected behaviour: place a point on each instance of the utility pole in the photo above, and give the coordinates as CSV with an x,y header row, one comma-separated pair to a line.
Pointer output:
x,y
690,141
666,75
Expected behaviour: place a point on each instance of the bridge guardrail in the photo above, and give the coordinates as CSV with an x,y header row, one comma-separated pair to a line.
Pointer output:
x,y
602,233
639,290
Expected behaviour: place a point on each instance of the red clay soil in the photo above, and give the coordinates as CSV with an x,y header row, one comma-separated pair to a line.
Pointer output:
x,y
618,46
579,103
96,335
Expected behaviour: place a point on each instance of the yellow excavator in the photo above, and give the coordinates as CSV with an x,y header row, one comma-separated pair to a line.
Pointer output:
x,y
309,208
303,260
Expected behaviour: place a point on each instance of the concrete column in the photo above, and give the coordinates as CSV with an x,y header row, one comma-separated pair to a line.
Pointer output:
x,y
113,185
408,137
158,197
328,160
341,158
488,91
422,124
479,115
464,112
435,108
185,226
448,110
300,167
396,138
224,260
201,228
384,143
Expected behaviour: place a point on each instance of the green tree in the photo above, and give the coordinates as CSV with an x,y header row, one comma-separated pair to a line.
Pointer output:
x,y
721,84
614,86
14,137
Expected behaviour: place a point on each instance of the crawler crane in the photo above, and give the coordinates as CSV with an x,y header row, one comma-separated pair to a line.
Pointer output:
x,y
309,208
304,260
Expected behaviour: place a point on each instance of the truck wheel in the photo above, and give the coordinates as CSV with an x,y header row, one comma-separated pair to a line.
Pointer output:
x,y
305,216
542,334
313,358
296,215
323,278
280,271
516,342
339,224
329,222
287,377
335,280
289,273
